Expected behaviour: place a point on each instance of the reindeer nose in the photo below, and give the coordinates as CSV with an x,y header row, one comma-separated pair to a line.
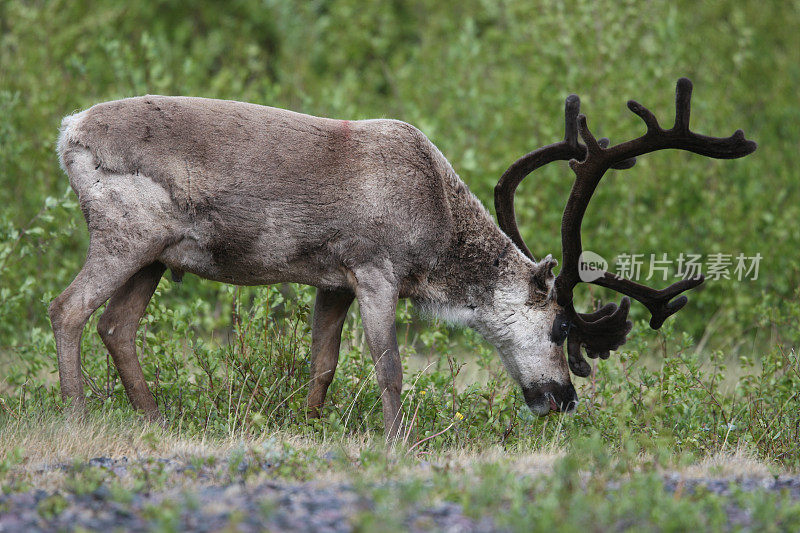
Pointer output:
x,y
550,396
563,398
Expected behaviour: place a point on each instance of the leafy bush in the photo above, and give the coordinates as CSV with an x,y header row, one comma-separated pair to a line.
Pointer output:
x,y
251,377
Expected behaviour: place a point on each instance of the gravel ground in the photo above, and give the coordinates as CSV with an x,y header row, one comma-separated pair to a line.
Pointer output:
x,y
207,504
271,506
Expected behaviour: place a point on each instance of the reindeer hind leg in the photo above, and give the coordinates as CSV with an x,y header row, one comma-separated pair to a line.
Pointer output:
x,y
101,275
330,312
129,226
117,327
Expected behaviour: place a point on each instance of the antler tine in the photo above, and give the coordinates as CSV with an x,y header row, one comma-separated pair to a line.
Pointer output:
x,y
588,137
565,150
606,329
599,332
572,107
582,190
646,115
660,303
683,105
678,137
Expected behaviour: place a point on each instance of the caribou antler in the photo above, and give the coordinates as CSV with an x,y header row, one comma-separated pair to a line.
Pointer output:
x,y
564,150
588,174
606,329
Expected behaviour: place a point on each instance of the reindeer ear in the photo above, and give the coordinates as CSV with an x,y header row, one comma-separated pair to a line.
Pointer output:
x,y
542,277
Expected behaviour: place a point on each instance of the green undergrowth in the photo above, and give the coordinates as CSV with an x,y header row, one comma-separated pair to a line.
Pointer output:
x,y
250,379
228,362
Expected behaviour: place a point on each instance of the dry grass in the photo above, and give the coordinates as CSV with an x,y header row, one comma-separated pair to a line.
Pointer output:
x,y
49,440
54,439
738,463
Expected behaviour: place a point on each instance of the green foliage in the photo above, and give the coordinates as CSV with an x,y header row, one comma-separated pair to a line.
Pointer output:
x,y
83,480
592,487
251,380
52,506
486,81
9,476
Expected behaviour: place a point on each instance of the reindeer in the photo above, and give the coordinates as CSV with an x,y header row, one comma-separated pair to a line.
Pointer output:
x,y
369,209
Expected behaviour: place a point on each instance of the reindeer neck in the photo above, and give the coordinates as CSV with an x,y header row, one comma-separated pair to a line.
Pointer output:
x,y
479,258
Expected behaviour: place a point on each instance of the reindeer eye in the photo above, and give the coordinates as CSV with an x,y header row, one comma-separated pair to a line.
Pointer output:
x,y
560,330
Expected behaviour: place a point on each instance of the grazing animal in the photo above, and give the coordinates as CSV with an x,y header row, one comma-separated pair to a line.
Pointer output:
x,y
366,209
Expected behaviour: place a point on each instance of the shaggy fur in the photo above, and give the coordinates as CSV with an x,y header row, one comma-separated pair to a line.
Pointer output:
x,y
249,194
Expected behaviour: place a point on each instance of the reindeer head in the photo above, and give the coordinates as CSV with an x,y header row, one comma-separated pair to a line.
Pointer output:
x,y
605,329
519,322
